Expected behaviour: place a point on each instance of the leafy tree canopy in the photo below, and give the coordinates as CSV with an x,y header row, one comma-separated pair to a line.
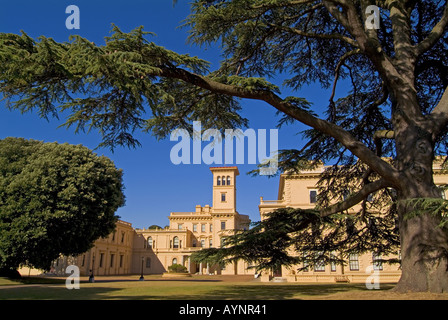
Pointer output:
x,y
54,199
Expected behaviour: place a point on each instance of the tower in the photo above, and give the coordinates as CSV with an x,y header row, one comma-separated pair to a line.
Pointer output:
x,y
224,189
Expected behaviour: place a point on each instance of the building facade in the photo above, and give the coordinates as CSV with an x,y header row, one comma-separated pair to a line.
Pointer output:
x,y
152,251
300,191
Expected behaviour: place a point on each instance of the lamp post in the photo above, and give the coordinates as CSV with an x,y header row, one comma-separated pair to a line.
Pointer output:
x,y
92,277
141,277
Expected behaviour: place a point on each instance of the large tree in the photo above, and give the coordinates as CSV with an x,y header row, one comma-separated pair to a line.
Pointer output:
x,y
54,199
398,77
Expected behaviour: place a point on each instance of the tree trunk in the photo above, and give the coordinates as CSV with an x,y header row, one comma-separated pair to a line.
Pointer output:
x,y
424,245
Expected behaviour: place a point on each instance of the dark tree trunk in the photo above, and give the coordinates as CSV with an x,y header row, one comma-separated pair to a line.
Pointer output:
x,y
424,245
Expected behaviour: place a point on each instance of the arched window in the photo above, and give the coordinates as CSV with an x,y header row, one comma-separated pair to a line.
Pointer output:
x,y
148,262
228,180
218,181
150,242
223,180
174,261
176,242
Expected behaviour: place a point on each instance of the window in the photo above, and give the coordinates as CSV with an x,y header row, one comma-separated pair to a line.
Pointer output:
x,y
203,227
223,197
223,225
211,227
121,260
228,180
202,243
313,196
332,262
218,181
101,259
195,228
223,179
223,242
353,262
150,243
83,260
211,243
122,237
377,263
174,261
305,263
319,265
194,242
112,256
175,242
148,262
180,226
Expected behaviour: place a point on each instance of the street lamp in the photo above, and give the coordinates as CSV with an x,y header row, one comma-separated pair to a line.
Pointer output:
x,y
92,277
141,277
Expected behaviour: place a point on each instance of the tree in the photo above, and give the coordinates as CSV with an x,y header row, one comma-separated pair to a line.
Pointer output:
x,y
398,77
55,199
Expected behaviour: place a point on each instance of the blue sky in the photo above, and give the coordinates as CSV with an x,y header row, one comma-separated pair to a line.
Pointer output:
x,y
154,186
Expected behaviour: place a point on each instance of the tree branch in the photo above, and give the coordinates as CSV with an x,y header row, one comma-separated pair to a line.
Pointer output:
x,y
434,35
440,115
356,198
377,164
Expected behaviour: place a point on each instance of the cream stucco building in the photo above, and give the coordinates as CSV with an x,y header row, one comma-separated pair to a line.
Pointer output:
x,y
300,191
151,251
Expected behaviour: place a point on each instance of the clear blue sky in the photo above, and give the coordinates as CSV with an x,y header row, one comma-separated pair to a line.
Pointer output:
x,y
154,186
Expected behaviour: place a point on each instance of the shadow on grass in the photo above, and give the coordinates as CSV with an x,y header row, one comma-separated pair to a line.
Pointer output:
x,y
157,291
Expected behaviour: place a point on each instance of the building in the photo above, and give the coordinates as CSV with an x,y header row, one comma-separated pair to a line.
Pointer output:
x,y
300,191
152,251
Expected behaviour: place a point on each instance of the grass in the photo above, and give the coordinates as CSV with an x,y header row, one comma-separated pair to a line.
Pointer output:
x,y
197,287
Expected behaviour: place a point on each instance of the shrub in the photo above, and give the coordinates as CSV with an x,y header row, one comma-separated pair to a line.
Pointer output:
x,y
177,268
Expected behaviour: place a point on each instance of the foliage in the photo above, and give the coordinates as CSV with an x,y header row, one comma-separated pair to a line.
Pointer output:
x,y
54,199
315,240
177,268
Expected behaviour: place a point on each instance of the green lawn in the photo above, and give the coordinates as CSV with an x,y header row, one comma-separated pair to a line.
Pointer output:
x,y
211,288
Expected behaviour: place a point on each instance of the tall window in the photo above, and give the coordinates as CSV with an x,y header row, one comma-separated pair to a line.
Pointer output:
x,y
223,225
148,262
313,196
218,181
112,256
223,180
228,180
202,243
150,242
203,227
101,259
211,227
174,261
175,242
223,197
180,226
319,265
377,263
195,228
121,260
332,262
211,243
353,262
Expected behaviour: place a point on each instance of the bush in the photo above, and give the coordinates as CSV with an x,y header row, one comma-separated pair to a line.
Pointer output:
x,y
177,268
